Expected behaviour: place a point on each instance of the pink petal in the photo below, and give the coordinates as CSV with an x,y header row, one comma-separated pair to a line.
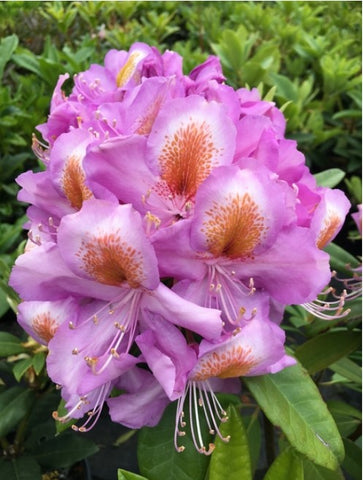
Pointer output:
x,y
106,242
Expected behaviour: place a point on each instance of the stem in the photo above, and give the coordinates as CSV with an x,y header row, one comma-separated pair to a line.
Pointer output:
x,y
269,440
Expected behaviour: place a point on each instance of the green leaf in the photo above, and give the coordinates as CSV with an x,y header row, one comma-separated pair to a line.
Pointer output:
x,y
353,459
124,475
329,178
21,468
348,369
285,88
291,400
347,418
317,472
321,351
231,460
158,458
340,259
14,405
27,60
7,47
39,362
253,430
287,466
21,367
64,450
10,345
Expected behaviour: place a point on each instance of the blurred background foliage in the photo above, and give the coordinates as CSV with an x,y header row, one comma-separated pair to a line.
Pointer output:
x,y
306,56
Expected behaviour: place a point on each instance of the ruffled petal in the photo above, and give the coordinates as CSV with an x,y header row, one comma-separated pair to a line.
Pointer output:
x,y
42,319
329,216
237,213
293,270
143,406
167,354
105,242
189,138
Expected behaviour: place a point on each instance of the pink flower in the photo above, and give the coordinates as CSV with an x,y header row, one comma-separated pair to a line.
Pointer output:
x,y
173,218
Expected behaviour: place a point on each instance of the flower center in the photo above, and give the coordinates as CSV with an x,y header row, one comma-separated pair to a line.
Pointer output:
x,y
235,228
111,261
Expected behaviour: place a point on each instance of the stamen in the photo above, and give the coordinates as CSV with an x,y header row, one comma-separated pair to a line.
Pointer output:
x,y
152,223
93,415
34,239
201,396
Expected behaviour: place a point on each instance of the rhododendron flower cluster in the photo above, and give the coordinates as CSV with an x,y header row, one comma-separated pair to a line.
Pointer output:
x,y
172,224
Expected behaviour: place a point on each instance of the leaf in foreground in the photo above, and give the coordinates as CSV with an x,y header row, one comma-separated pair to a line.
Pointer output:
x,y
124,475
291,400
158,458
288,465
231,460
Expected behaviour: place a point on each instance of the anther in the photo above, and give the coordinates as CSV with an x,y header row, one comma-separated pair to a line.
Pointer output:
x,y
71,325
75,351
181,449
114,353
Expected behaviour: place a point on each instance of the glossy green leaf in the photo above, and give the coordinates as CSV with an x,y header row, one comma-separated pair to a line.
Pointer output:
x,y
291,400
20,468
39,362
348,369
21,367
158,458
287,466
10,345
317,472
340,259
329,178
64,450
353,459
232,459
253,430
321,351
124,475
347,418
14,405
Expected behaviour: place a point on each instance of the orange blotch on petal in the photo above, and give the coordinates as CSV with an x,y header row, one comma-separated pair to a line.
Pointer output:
x,y
187,158
234,228
111,261
331,226
73,183
44,326
233,362
145,123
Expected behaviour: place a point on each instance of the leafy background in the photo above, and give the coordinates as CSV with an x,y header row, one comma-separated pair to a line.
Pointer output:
x,y
306,56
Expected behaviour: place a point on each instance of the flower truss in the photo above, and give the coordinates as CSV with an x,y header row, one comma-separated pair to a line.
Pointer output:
x,y
172,224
